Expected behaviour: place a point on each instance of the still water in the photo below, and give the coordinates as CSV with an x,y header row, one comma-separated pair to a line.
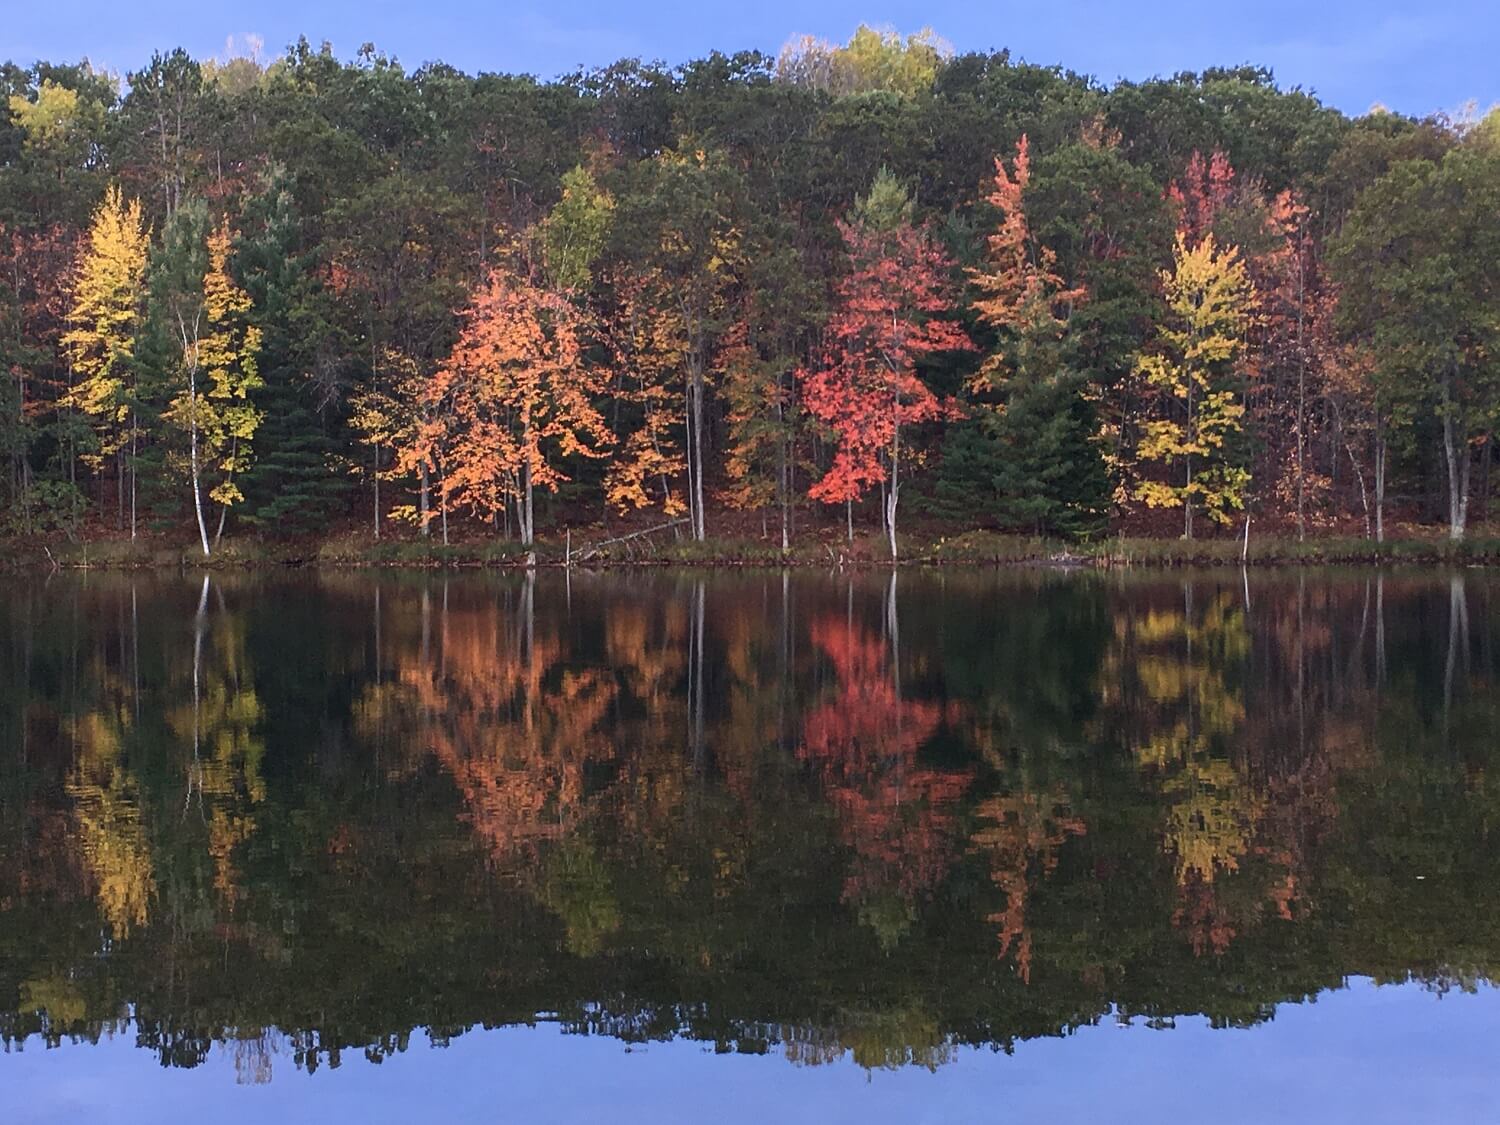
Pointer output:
x,y
664,846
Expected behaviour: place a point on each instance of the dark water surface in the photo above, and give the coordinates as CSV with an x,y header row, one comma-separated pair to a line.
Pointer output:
x,y
671,847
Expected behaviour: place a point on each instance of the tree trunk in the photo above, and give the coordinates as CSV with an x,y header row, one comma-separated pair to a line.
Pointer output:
x,y
132,477
193,456
1379,485
1457,461
234,447
1301,431
695,454
783,457
422,503
528,525
894,493
1187,502
376,478
1359,477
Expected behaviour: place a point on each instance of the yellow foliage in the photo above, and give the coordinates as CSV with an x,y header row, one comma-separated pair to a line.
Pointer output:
x,y
1199,351
102,318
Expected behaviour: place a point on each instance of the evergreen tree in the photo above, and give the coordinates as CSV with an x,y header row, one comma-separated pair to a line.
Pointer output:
x,y
291,485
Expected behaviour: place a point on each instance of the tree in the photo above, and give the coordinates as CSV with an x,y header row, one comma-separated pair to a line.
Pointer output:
x,y
293,482
575,232
103,315
682,237
229,355
215,356
514,399
871,60
1195,369
1418,264
889,316
1030,454
646,344
758,358
1022,297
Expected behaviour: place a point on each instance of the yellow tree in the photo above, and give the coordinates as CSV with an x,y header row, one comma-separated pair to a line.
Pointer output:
x,y
228,355
1196,368
210,315
103,317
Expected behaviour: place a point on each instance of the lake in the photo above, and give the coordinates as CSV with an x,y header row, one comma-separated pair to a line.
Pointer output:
x,y
671,846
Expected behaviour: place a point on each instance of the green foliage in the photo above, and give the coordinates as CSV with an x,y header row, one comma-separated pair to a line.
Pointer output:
x,y
1034,467
871,60
291,485
576,231
691,213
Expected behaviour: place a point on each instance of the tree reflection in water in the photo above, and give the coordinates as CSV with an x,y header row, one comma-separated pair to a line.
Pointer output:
x,y
830,816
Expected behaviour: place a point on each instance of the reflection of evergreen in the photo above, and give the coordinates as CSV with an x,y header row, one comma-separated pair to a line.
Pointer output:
x,y
322,880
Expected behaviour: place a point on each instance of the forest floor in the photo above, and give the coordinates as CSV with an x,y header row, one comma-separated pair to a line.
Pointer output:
x,y
816,546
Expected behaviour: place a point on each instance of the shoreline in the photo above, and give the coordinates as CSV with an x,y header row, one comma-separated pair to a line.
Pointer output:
x,y
971,550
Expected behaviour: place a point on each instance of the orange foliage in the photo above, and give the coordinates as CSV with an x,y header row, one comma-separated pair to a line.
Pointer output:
x,y
649,346
514,399
1021,292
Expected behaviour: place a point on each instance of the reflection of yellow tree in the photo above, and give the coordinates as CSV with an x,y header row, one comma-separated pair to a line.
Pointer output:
x,y
1210,818
1020,832
888,1039
221,719
107,805
1178,667
1181,667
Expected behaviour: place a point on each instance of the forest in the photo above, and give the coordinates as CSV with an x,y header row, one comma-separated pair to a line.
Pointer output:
x,y
262,298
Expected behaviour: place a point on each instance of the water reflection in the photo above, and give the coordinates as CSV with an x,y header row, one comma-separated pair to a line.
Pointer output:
x,y
878,817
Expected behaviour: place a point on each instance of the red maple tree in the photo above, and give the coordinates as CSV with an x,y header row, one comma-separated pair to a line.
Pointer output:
x,y
890,315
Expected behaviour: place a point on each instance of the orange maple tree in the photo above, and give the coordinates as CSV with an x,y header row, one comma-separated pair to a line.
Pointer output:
x,y
1022,296
513,400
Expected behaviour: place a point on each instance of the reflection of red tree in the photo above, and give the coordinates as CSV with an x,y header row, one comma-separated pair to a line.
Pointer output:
x,y
895,814
1021,830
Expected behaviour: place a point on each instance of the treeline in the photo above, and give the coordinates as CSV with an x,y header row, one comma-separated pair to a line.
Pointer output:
x,y
286,295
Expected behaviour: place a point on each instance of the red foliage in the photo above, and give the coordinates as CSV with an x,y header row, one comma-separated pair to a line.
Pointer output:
x,y
1204,191
896,815
889,317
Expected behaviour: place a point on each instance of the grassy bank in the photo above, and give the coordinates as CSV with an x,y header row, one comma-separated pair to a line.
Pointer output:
x,y
664,548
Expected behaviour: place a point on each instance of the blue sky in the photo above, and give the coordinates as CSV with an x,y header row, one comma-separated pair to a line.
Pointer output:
x,y
1414,57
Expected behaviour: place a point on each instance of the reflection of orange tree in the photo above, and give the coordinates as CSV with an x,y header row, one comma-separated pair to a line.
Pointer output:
x,y
513,729
1021,831
896,815
513,725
